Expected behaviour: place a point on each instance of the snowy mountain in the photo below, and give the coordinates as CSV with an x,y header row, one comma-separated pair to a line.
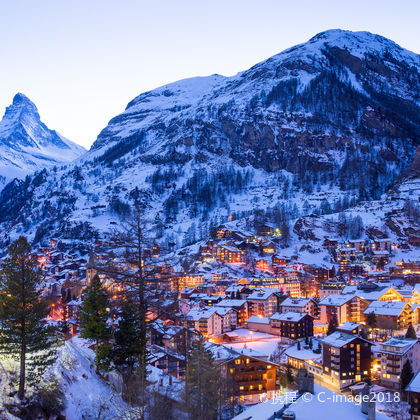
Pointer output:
x,y
316,129
27,144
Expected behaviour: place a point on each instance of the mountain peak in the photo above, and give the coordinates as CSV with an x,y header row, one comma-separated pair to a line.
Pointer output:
x,y
27,144
22,102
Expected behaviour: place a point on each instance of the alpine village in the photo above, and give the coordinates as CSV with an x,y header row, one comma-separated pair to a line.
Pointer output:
x,y
229,247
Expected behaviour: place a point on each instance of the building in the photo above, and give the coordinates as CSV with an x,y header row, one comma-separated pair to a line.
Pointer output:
x,y
391,315
248,378
262,302
167,360
292,325
394,353
346,358
330,288
230,254
239,305
302,305
345,307
413,390
207,321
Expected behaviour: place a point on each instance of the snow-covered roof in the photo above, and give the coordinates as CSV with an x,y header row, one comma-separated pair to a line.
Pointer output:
x,y
232,303
414,385
303,354
349,326
258,319
296,302
336,300
261,295
288,316
338,339
195,314
324,404
402,343
379,307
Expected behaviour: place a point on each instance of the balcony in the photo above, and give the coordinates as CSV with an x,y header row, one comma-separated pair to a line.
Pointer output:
x,y
252,382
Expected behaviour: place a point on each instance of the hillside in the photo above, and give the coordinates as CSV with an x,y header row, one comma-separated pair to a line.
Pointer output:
x,y
317,129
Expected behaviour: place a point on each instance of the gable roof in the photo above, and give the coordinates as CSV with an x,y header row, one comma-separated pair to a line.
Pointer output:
x,y
379,307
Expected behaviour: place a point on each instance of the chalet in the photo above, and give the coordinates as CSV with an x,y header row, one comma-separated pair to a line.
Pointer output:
x,y
344,307
173,337
207,321
182,281
413,390
332,287
358,245
292,325
390,315
268,248
247,375
346,358
262,302
239,305
230,254
229,318
351,328
242,236
394,353
167,360
380,258
275,260
301,305
331,243
381,245
267,229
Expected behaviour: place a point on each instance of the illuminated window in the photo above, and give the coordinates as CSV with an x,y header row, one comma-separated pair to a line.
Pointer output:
x,y
232,370
241,388
247,360
237,361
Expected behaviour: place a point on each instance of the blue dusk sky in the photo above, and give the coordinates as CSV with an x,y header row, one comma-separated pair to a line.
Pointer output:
x,y
82,61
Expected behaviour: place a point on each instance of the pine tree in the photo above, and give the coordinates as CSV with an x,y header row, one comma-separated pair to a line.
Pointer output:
x,y
332,325
310,343
94,313
289,375
128,347
201,383
371,320
298,345
64,323
406,374
411,332
24,332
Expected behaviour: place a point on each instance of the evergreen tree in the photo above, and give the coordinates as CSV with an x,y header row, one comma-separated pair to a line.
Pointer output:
x,y
298,345
201,383
289,375
406,374
24,332
411,332
94,314
310,343
64,323
332,325
371,320
128,347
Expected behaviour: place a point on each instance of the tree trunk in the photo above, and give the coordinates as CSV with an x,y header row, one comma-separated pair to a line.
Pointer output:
x,y
22,373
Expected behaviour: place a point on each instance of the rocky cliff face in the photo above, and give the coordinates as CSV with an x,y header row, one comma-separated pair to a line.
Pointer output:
x,y
313,129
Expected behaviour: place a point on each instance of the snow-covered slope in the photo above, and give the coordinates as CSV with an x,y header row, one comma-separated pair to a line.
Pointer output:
x,y
314,129
27,144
